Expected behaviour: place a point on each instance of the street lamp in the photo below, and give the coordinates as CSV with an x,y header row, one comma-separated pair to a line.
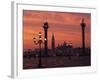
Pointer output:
x,y
36,43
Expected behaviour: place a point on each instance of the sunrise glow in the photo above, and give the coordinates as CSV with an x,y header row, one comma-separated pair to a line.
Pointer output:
x,y
64,25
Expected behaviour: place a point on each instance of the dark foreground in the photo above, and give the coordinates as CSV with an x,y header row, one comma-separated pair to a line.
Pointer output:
x,y
57,61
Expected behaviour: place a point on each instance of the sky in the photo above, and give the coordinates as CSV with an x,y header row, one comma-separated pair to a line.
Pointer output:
x,y
64,25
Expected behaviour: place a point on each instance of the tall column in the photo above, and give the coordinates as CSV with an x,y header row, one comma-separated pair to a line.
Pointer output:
x,y
83,36
45,26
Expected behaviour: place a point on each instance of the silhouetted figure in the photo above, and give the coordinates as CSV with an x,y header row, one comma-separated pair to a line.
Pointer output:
x,y
83,36
45,26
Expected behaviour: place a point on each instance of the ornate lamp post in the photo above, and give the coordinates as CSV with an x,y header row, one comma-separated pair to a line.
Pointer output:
x,y
39,42
45,26
83,35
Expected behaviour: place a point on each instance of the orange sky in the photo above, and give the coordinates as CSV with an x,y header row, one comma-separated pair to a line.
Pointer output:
x,y
64,25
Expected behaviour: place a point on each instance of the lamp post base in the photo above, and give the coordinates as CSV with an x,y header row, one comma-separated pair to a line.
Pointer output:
x,y
40,66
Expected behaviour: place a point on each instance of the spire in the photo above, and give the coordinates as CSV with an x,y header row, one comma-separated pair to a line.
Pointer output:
x,y
82,20
52,35
53,42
